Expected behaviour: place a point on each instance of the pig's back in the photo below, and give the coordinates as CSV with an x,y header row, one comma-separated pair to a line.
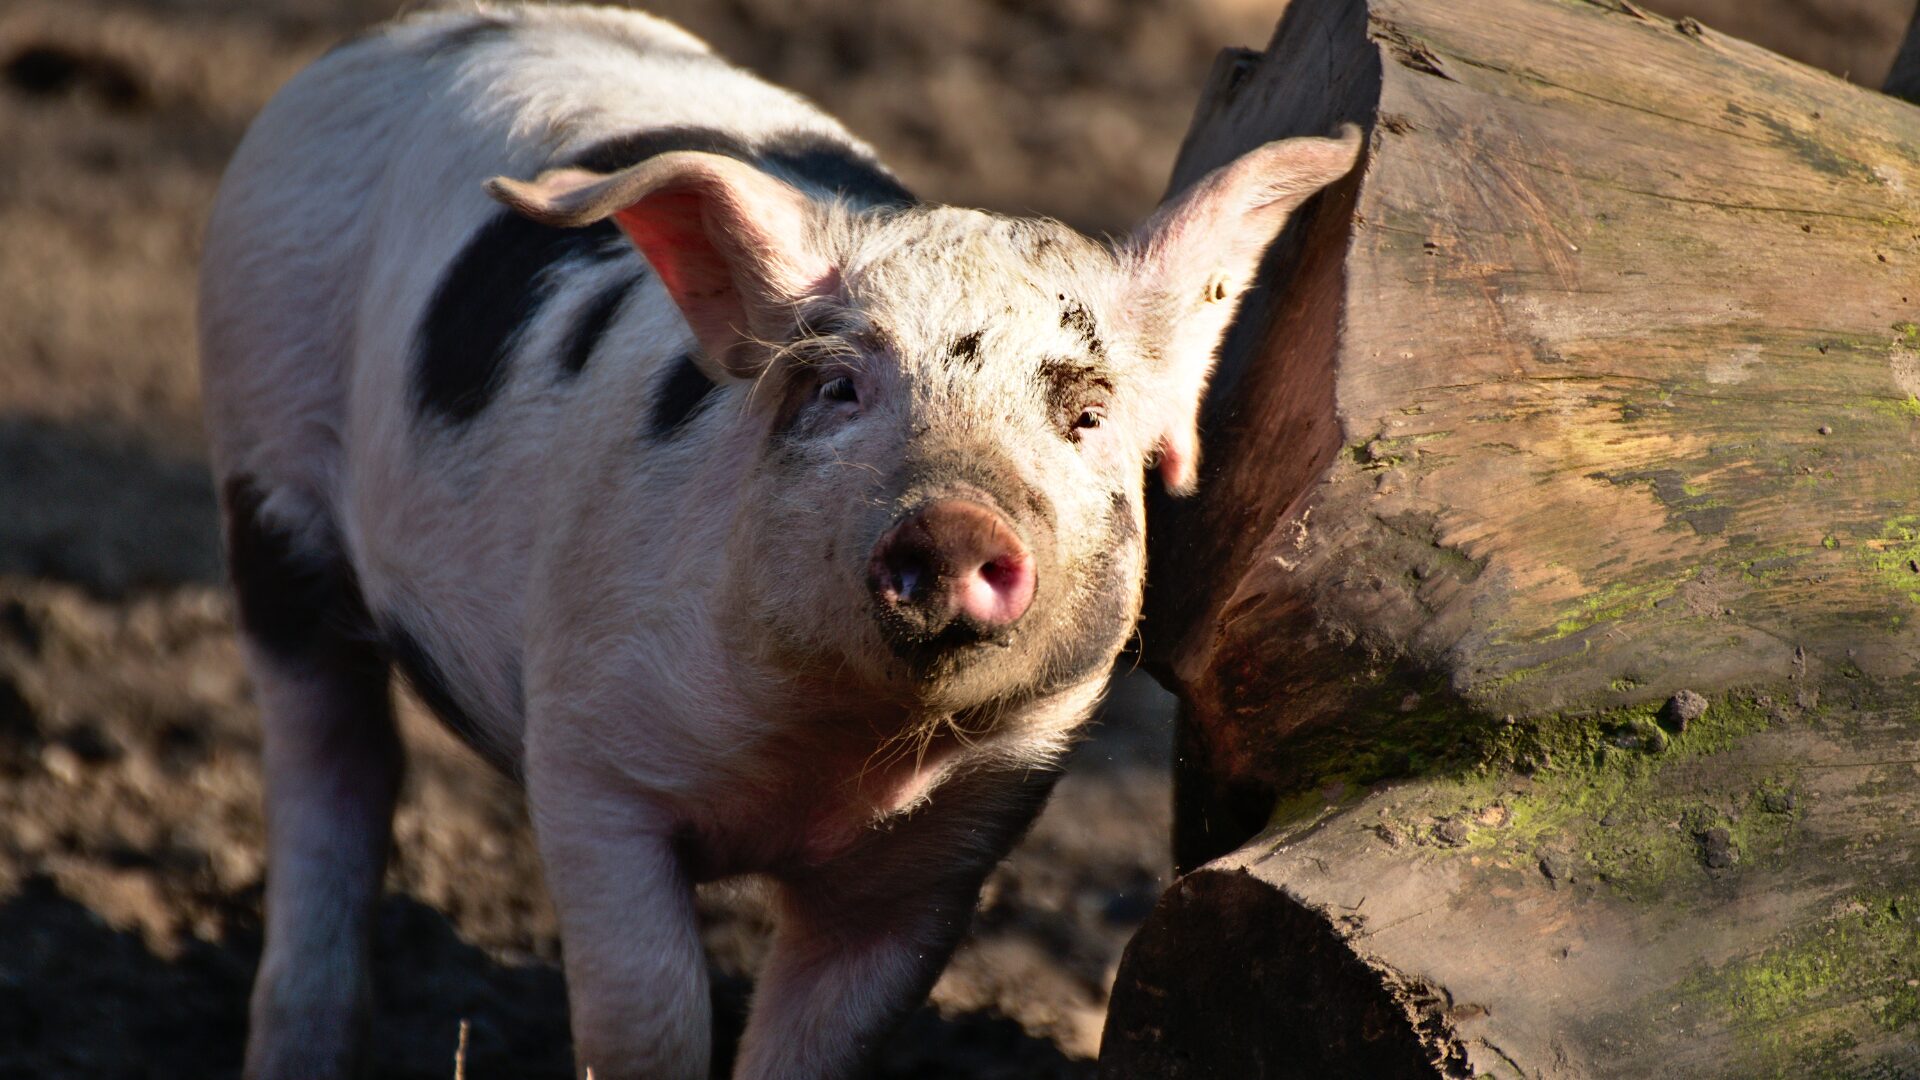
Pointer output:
x,y
394,358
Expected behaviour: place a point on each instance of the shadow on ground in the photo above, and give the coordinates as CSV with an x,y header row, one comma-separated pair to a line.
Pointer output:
x,y
102,509
80,999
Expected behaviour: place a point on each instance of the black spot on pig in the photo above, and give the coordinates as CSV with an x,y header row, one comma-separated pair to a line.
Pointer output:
x,y
837,167
490,294
298,604
965,349
814,159
595,317
1069,386
680,395
626,151
1075,316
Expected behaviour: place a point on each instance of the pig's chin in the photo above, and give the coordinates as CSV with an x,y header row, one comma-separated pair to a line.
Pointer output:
x,y
959,670
962,676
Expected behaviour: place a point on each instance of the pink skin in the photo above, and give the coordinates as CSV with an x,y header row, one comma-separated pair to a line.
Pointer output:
x,y
955,559
998,593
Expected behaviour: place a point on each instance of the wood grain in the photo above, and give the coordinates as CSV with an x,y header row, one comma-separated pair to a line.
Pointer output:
x,y
1601,385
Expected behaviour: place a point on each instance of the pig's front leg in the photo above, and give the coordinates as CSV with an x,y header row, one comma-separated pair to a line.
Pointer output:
x,y
332,761
636,975
861,940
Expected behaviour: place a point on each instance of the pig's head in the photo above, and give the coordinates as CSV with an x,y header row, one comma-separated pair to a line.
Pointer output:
x,y
953,412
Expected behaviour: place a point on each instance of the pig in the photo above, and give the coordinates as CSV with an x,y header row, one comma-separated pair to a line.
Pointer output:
x,y
761,519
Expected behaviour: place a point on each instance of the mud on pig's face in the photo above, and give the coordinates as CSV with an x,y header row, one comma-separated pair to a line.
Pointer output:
x,y
951,413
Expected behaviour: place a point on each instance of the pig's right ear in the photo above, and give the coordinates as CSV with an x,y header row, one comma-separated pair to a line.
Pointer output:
x,y
733,246
1191,261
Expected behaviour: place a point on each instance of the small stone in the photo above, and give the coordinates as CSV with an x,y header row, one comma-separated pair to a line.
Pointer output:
x,y
236,866
1556,866
1609,819
1779,802
1684,708
31,837
1717,850
215,683
1452,832
61,763
1410,703
1826,429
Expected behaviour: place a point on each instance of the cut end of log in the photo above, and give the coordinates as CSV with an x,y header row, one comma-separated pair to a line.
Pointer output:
x,y
1233,977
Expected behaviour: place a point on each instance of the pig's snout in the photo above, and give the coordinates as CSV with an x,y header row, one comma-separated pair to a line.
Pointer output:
x,y
951,573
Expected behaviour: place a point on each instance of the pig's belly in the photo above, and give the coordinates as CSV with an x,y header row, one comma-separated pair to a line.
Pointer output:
x,y
447,606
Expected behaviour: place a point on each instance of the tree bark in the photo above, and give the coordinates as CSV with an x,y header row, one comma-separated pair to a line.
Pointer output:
x,y
1547,629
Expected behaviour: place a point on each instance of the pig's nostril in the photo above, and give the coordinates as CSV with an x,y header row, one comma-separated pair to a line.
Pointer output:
x,y
907,575
1000,590
1002,572
905,571
952,560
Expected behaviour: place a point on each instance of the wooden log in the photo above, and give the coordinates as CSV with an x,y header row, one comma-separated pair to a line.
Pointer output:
x,y
1547,628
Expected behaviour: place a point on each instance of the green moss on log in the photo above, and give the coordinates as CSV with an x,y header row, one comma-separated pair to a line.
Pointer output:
x,y
1620,793
1894,556
1799,1006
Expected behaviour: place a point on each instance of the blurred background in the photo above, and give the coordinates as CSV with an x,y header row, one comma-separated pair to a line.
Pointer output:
x,y
130,832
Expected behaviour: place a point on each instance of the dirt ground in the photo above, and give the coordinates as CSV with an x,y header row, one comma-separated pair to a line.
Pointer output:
x,y
130,832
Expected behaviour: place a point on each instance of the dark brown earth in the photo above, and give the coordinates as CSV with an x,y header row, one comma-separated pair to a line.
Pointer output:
x,y
130,831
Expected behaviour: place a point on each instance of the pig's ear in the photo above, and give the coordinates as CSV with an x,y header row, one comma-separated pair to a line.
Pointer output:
x,y
1193,258
734,246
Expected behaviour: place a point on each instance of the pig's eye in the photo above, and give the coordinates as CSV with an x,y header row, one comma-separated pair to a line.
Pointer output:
x,y
840,389
1088,419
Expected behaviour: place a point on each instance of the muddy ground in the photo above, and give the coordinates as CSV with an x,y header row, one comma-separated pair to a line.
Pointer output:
x,y
130,832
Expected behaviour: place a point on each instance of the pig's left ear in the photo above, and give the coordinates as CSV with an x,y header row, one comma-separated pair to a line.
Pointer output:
x,y
1193,258
734,246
